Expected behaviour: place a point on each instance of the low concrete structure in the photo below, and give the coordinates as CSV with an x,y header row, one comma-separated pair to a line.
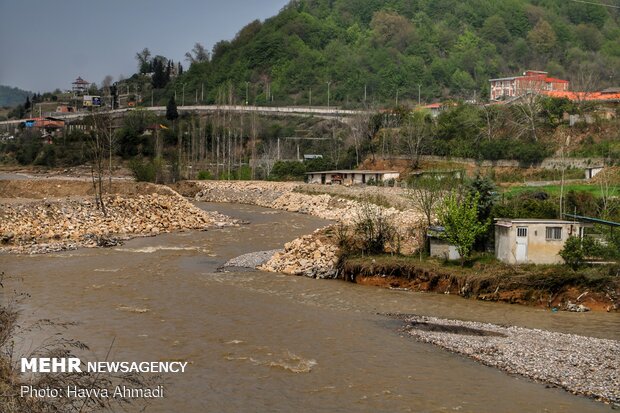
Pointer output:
x,y
592,171
533,241
440,247
350,177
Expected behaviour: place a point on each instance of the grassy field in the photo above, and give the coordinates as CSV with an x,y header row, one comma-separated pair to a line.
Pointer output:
x,y
555,189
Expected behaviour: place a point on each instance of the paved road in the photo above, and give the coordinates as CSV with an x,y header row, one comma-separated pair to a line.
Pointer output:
x,y
263,110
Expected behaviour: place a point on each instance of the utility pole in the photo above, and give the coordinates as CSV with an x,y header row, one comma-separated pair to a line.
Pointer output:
x,y
328,83
396,96
310,97
419,88
202,93
196,96
364,94
247,96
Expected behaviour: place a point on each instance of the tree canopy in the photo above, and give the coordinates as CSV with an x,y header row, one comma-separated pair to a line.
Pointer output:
x,y
372,51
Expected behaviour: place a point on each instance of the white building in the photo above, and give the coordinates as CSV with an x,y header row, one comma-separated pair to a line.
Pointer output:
x,y
350,177
533,241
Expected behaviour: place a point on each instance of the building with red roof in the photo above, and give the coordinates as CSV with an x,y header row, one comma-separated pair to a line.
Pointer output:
x,y
532,81
80,86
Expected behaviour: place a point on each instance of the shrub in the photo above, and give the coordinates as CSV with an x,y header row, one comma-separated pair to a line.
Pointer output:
x,y
373,231
288,171
204,175
143,171
572,253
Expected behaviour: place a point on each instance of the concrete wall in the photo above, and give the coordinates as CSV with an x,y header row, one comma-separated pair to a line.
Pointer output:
x,y
503,243
441,249
352,178
540,250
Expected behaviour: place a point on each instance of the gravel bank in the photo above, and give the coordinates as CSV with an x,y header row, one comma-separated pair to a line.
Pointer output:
x,y
44,226
582,365
313,255
252,259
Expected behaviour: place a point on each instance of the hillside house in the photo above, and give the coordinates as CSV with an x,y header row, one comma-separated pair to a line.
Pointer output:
x,y
80,86
350,177
532,81
533,241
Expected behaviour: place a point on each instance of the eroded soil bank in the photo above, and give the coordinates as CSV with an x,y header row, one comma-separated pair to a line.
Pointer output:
x,y
541,286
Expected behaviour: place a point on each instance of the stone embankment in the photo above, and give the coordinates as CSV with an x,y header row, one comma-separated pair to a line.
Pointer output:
x,y
582,365
300,257
313,255
42,225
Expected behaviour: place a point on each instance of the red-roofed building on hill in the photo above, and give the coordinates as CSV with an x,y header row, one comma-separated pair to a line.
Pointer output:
x,y
532,81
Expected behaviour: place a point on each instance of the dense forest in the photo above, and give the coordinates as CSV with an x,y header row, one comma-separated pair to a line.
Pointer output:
x,y
377,49
12,96
382,51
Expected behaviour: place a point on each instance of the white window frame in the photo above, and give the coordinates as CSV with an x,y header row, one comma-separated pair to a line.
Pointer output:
x,y
553,233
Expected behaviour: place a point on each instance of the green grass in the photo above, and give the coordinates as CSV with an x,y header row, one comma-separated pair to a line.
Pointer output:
x,y
555,189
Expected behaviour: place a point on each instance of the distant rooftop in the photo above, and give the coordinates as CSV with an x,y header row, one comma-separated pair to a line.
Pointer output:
x,y
352,171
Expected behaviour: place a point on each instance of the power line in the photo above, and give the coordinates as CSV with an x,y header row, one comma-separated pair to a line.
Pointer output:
x,y
597,4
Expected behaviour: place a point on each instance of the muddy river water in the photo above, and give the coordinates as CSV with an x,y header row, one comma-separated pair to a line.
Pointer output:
x,y
267,342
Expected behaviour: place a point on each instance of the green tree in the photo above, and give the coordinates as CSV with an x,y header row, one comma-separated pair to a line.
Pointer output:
x,y
144,61
459,218
171,110
542,37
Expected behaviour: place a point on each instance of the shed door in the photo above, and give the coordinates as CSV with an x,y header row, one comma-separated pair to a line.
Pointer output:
x,y
521,251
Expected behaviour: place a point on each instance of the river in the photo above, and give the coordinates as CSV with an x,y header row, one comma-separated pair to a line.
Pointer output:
x,y
268,342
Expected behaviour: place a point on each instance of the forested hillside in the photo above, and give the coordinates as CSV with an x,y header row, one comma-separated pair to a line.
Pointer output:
x,y
447,48
12,96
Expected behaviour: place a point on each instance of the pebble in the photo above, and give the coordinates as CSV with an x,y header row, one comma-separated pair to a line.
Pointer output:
x,y
252,259
582,365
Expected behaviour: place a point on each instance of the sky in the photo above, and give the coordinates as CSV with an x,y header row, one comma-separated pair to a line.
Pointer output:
x,y
47,44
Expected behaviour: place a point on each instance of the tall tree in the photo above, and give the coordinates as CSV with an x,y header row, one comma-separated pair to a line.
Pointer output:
x,y
459,218
198,54
416,131
171,111
144,60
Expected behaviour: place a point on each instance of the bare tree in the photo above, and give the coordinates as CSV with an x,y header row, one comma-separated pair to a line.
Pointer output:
x,y
360,129
525,116
527,108
585,83
197,54
493,120
105,85
98,142
415,132
253,136
426,193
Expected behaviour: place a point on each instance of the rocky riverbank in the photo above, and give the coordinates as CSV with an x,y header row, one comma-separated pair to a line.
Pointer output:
x,y
41,225
314,255
582,365
302,256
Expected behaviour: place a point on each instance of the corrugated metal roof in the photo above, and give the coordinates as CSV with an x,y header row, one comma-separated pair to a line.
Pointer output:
x,y
593,220
352,171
